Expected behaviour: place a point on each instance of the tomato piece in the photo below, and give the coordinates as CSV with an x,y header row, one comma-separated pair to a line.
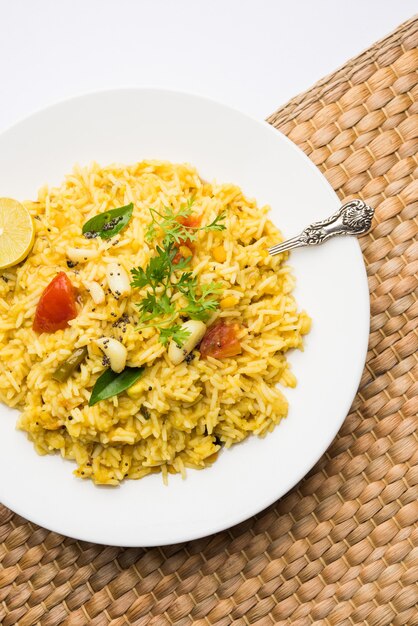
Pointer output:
x,y
220,341
56,306
184,246
177,258
192,221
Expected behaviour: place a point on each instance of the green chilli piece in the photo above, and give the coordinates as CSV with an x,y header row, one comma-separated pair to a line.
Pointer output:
x,y
67,367
110,384
108,224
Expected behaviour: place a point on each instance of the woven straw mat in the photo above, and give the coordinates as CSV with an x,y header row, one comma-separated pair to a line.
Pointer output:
x,y
340,548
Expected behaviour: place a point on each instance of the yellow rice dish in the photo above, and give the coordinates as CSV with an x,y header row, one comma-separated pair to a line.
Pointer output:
x,y
197,353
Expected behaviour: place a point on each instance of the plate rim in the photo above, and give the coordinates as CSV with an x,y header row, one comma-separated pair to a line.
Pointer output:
x,y
355,381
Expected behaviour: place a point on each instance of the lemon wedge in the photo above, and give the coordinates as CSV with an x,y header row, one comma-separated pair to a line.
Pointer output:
x,y
17,232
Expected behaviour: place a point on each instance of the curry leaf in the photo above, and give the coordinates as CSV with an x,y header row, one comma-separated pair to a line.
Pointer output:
x,y
108,224
110,384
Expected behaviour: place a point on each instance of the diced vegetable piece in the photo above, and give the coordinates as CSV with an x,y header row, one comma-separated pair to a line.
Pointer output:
x,y
185,252
196,330
67,367
96,291
81,255
219,254
138,388
115,352
57,305
186,247
111,384
118,280
220,341
191,221
229,302
144,412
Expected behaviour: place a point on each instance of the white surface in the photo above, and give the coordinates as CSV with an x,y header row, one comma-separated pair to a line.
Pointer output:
x,y
251,54
331,284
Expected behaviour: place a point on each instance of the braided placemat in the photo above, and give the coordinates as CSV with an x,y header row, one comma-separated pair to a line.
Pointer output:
x,y
339,548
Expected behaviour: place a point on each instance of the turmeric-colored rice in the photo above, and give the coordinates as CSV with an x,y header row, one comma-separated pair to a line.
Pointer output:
x,y
192,409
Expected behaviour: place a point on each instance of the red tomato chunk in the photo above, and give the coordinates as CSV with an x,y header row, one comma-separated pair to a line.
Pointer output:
x,y
192,221
220,341
56,306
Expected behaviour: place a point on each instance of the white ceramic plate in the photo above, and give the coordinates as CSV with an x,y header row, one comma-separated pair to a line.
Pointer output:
x,y
132,124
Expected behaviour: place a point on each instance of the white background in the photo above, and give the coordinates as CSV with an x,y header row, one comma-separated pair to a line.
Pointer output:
x,y
251,54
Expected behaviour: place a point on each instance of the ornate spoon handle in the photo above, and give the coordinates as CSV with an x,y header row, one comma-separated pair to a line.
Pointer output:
x,y
353,218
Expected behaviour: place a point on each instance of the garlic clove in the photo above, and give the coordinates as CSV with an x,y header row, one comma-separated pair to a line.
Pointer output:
x,y
96,291
118,280
115,351
80,255
196,330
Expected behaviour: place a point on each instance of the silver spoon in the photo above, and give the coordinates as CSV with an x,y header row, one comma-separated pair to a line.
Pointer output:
x,y
353,218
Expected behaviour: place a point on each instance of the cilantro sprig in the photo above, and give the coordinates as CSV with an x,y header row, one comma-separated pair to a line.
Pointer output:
x,y
174,230
175,332
166,275
201,300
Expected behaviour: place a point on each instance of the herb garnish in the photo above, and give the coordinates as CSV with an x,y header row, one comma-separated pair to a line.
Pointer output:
x,y
199,305
110,384
164,277
108,224
174,230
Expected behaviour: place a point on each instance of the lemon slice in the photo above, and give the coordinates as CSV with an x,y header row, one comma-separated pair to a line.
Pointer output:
x,y
17,232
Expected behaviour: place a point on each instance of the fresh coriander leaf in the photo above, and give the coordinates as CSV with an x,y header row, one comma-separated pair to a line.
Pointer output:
x,y
182,263
158,270
165,304
160,266
200,312
148,304
166,222
151,231
164,278
108,224
170,225
186,282
176,333
216,224
210,288
110,384
152,307
199,307
139,277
